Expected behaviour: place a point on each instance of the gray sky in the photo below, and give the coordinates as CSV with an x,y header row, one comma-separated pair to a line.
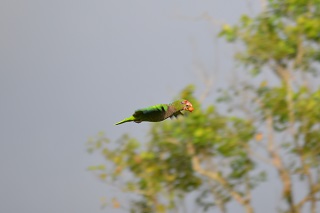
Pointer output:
x,y
69,69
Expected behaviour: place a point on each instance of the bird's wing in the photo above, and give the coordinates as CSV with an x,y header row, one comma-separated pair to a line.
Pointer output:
x,y
151,110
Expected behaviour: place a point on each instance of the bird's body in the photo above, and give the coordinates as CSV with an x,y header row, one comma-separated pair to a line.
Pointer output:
x,y
159,112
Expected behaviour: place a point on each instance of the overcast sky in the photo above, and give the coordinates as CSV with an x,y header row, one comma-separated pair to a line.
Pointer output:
x,y
69,69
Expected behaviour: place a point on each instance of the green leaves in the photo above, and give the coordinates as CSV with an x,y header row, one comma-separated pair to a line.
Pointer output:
x,y
230,33
287,31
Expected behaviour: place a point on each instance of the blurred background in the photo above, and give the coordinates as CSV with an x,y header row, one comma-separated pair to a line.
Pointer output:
x,y
71,69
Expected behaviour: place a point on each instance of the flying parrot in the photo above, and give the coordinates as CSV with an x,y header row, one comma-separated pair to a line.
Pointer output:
x,y
159,112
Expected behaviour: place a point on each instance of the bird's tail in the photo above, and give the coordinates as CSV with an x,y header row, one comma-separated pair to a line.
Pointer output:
x,y
129,119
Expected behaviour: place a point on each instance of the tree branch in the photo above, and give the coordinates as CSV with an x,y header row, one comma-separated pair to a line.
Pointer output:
x,y
277,162
245,201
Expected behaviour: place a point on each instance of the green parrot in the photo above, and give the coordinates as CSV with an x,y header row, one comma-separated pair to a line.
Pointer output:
x,y
159,112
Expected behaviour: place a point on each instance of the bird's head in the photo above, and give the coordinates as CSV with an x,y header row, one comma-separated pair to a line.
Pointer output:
x,y
187,105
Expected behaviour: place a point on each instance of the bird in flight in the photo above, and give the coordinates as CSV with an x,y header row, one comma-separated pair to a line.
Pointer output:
x,y
159,112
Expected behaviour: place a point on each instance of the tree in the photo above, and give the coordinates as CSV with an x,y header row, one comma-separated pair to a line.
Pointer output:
x,y
216,155
284,39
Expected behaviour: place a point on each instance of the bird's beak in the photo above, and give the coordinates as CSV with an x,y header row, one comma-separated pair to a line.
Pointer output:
x,y
190,109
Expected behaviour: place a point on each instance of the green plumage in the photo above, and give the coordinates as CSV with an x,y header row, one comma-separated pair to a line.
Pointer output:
x,y
156,113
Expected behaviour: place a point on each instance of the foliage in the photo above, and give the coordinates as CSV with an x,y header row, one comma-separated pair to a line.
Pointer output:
x,y
287,32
